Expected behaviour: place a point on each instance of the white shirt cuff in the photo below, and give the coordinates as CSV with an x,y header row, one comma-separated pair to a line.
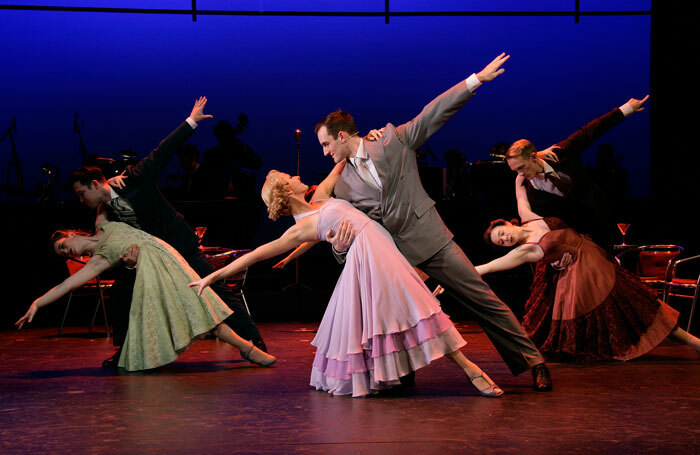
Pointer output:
x,y
626,109
191,122
473,83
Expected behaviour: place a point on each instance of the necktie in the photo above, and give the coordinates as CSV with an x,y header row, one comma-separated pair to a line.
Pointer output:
x,y
124,211
563,185
364,173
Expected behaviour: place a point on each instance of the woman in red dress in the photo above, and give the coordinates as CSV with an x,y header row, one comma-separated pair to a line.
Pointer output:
x,y
591,310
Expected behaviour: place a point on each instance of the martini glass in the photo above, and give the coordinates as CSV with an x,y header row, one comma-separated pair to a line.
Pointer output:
x,y
623,229
200,230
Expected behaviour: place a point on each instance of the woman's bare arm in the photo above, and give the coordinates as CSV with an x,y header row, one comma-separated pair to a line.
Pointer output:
x,y
325,188
524,210
301,249
516,257
96,265
301,232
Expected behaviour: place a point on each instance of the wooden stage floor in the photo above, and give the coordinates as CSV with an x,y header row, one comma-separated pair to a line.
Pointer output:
x,y
55,398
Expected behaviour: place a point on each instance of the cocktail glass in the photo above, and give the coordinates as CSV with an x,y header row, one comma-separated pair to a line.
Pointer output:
x,y
623,229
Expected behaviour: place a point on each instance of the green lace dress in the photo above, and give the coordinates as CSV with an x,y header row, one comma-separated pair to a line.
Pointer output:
x,y
166,316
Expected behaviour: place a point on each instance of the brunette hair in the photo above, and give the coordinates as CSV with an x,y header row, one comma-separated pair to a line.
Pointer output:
x,y
85,175
494,224
64,233
337,121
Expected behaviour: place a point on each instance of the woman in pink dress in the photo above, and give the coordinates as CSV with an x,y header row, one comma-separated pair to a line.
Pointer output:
x,y
382,322
591,310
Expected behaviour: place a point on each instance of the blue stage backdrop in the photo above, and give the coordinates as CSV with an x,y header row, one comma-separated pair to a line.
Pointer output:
x,y
133,77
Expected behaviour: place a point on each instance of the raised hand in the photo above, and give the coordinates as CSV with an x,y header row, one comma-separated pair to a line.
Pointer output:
x,y
197,113
342,239
493,69
28,316
637,104
118,181
375,135
549,153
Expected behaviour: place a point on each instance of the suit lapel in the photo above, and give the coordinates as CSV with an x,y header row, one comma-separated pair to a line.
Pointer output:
x,y
375,150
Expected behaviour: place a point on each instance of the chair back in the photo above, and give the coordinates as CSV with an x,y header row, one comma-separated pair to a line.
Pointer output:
x,y
77,263
654,260
221,257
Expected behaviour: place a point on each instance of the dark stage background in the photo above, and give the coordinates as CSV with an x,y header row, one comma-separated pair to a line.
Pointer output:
x,y
132,78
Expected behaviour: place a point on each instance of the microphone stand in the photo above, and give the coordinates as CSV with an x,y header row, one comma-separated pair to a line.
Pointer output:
x,y
297,284
11,132
76,129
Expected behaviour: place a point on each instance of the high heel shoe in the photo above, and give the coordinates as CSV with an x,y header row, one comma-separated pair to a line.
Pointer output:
x,y
258,357
493,391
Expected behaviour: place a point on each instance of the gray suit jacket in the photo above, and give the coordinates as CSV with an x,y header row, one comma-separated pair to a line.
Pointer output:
x,y
403,206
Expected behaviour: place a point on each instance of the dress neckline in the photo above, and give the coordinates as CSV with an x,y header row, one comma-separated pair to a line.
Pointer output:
x,y
538,242
301,216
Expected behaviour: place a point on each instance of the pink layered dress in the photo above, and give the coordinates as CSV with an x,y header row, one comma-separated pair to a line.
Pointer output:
x,y
381,322
594,309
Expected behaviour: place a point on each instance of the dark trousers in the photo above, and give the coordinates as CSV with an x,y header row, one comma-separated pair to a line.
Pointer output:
x,y
121,293
451,267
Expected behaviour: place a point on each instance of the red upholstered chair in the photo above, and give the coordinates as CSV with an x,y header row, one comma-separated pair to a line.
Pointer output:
x,y
94,287
652,263
221,257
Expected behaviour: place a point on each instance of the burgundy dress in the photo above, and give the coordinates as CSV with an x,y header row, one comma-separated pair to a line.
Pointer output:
x,y
594,309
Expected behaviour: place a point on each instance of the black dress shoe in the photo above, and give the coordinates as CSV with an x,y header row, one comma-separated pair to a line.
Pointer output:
x,y
112,362
409,380
541,380
259,343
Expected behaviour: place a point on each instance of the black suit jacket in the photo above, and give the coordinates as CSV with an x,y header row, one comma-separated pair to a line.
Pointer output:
x,y
585,208
153,211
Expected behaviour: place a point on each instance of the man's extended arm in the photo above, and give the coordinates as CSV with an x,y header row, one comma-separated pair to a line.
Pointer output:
x,y
158,159
593,130
434,115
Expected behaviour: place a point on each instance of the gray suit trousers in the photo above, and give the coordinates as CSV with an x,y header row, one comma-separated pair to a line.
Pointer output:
x,y
451,267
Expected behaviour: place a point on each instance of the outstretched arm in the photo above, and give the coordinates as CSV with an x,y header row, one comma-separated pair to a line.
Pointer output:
x,y
158,159
324,190
301,249
516,257
593,130
524,211
293,237
416,132
96,265
340,242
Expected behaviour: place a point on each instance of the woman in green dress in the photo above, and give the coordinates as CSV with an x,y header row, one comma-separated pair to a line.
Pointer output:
x,y
166,315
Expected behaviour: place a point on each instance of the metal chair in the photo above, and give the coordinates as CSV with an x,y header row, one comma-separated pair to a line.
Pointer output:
x,y
653,263
93,287
685,288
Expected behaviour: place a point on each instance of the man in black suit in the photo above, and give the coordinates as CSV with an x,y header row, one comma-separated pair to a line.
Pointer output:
x,y
140,203
563,188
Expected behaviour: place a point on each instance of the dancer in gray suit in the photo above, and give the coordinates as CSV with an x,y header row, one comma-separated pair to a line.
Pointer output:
x,y
381,179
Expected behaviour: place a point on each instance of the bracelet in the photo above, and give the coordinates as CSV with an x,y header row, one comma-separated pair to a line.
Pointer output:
x,y
338,252
130,268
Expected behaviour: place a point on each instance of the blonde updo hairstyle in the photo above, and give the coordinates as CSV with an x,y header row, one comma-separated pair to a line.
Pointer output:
x,y
275,194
